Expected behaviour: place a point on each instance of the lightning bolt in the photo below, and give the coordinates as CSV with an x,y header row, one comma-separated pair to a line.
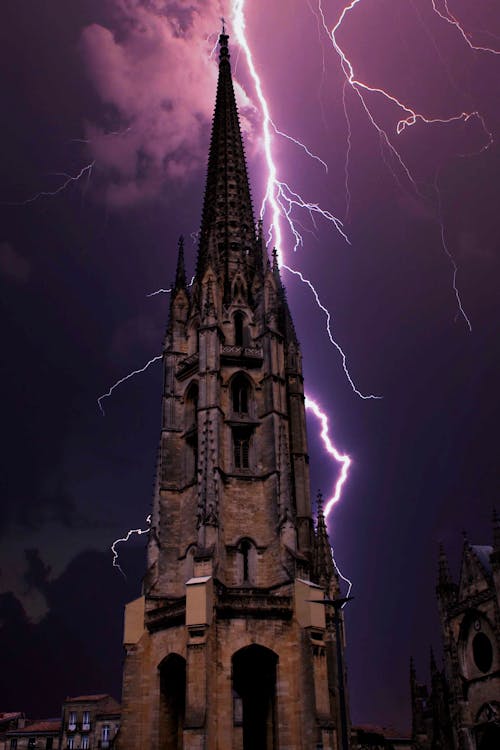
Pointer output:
x,y
347,580
329,331
332,451
167,291
409,118
122,380
282,200
453,20
69,179
139,532
279,196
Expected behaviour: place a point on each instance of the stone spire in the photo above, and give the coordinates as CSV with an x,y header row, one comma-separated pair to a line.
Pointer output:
x,y
227,221
324,568
180,273
286,320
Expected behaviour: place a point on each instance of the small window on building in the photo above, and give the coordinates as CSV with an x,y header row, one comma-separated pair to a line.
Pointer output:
x,y
105,733
86,718
239,391
85,742
49,743
241,449
13,743
71,743
32,742
72,720
245,553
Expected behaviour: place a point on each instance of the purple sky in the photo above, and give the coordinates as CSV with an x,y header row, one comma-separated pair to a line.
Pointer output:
x,y
129,87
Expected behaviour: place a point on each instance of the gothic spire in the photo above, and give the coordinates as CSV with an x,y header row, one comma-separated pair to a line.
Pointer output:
x,y
227,219
323,564
180,273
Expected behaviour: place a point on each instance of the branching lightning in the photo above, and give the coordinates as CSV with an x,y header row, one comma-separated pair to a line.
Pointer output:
x,y
453,20
281,200
300,145
329,331
410,117
122,380
139,532
69,179
279,195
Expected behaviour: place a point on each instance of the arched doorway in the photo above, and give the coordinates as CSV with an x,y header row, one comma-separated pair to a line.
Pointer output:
x,y
254,697
172,702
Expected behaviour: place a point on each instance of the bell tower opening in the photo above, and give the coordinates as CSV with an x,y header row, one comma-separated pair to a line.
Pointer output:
x,y
172,702
254,696
239,329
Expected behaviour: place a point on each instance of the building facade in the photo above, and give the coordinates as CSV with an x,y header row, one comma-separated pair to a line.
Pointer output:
x,y
89,722
36,735
462,709
228,648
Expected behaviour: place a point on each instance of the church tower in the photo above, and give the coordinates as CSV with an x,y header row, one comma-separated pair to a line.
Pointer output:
x,y
227,649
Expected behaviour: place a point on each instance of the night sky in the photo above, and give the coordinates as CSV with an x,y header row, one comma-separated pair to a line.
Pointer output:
x,y
126,88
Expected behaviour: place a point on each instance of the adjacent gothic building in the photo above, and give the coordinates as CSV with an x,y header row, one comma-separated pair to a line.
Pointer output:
x,y
229,647
462,710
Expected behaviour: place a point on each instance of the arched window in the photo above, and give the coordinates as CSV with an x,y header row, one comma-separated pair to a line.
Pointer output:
x,y
241,449
239,329
240,395
191,406
245,548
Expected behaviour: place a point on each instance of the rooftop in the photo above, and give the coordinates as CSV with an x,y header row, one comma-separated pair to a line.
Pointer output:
x,y
39,726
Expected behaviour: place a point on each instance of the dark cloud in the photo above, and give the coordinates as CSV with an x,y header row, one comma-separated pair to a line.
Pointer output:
x,y
58,507
76,648
153,72
37,574
13,265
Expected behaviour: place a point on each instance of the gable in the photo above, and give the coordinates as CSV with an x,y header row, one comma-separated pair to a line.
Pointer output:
x,y
474,571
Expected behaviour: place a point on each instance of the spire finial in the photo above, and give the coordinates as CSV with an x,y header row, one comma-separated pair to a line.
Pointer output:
x,y
180,273
223,40
319,504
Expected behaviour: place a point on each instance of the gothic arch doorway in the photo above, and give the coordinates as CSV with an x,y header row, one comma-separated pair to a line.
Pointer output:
x,y
172,702
254,697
